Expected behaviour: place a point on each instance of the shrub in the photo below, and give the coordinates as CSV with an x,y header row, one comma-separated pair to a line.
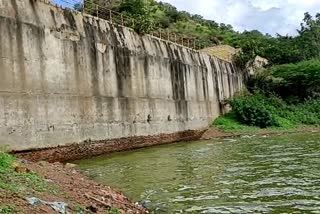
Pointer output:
x,y
254,111
307,113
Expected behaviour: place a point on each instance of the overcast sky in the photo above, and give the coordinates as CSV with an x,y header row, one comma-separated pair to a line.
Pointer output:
x,y
268,16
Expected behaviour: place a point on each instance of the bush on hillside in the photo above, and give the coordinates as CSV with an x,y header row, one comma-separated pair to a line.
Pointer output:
x,y
294,83
298,81
254,111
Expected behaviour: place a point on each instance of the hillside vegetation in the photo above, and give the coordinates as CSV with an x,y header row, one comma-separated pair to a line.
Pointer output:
x,y
284,96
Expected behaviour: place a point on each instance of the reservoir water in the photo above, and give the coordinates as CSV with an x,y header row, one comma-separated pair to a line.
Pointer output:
x,y
265,174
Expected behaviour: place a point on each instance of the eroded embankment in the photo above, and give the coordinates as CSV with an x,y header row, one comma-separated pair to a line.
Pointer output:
x,y
89,149
53,183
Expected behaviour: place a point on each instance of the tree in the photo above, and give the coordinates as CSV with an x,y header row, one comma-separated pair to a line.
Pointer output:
x,y
141,12
309,36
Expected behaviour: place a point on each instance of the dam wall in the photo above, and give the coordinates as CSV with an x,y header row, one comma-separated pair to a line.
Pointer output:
x,y
67,77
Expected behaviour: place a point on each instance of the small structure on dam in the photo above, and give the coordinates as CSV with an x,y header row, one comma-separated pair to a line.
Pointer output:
x,y
67,78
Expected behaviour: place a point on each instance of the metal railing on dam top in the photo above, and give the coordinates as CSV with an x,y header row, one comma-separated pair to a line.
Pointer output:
x,y
94,9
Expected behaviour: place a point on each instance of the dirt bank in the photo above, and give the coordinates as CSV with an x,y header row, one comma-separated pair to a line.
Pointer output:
x,y
60,183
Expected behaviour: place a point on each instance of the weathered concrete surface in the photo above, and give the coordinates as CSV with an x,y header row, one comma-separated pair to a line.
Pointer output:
x,y
68,78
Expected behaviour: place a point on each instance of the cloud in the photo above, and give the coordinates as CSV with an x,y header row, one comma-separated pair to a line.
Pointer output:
x,y
268,16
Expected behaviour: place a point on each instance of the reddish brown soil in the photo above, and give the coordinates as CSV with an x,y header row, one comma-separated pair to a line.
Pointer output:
x,y
90,149
73,188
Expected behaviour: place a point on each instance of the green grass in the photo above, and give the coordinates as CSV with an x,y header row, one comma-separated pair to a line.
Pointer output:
x,y
6,209
113,211
229,122
5,160
80,209
16,182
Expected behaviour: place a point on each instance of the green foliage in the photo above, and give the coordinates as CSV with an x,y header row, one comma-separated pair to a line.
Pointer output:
x,y
300,80
13,181
259,110
309,36
229,122
113,211
142,12
292,82
5,160
80,209
307,113
254,111
282,96
6,209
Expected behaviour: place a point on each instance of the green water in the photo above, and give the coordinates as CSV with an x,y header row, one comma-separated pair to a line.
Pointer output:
x,y
279,174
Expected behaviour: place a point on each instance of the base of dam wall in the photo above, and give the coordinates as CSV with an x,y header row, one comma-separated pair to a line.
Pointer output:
x,y
70,80
84,150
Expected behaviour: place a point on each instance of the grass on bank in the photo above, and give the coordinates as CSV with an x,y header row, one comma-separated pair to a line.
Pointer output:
x,y
229,122
17,180
6,209
14,178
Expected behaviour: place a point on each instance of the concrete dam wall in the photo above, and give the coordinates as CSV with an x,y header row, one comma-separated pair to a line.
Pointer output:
x,y
70,78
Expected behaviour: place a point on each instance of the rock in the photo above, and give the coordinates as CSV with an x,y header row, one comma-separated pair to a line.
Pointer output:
x,y
92,209
70,165
19,168
43,163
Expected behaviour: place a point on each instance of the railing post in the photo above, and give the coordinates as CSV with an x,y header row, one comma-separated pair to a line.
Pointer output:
x,y
110,16
194,44
97,8
160,34
188,43
182,41
175,38
168,34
